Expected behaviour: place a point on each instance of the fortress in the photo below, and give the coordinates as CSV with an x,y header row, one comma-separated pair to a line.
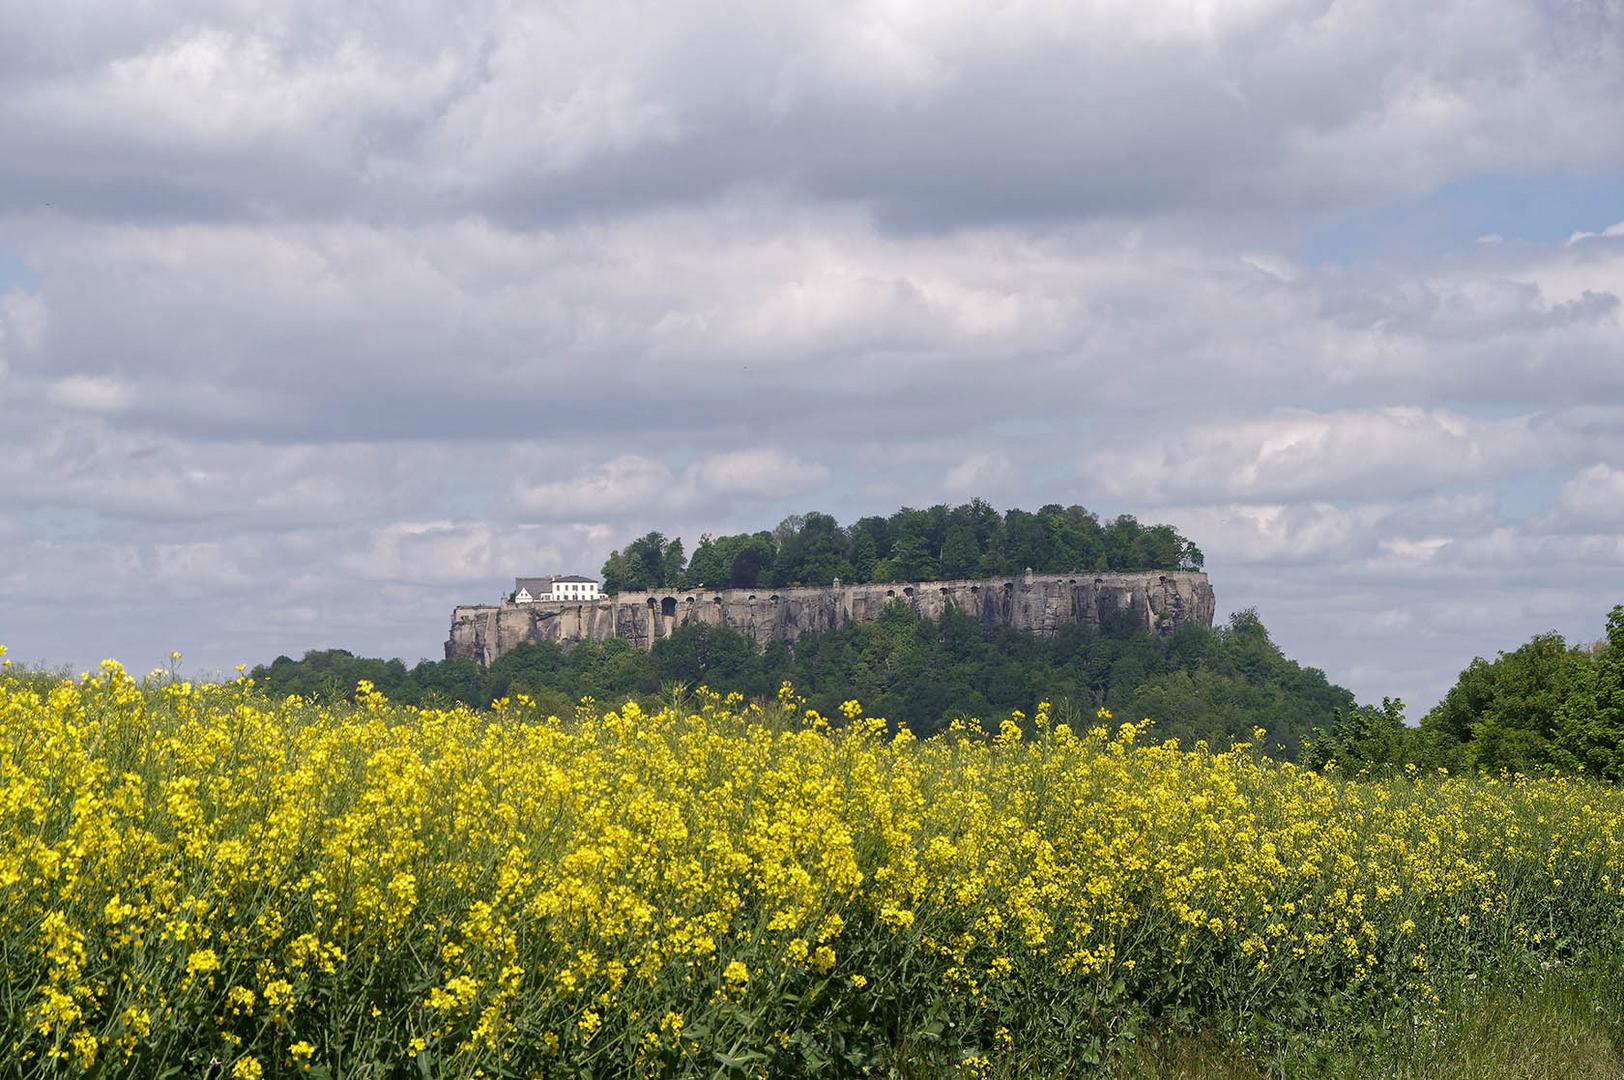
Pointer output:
x,y
1035,603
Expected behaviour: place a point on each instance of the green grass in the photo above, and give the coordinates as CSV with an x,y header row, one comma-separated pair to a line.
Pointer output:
x,y
1562,1024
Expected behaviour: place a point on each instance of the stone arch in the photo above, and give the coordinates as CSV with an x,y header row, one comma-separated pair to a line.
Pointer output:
x,y
651,603
1071,581
773,598
890,592
907,590
668,606
752,598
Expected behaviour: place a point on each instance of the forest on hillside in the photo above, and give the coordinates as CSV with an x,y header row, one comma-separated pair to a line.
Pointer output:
x,y
967,541
1197,683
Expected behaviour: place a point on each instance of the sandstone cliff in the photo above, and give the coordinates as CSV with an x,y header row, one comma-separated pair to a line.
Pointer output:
x,y
1037,603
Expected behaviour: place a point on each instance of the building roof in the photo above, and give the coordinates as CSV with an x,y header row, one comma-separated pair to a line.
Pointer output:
x,y
577,577
535,586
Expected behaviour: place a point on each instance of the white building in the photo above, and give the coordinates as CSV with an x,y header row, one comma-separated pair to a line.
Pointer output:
x,y
531,590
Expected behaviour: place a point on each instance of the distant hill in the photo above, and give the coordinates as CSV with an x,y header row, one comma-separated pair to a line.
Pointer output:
x,y
1197,682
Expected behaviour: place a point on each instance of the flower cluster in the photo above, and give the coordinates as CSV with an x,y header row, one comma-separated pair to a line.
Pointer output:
x,y
192,874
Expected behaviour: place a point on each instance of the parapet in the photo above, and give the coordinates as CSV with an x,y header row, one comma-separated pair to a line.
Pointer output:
x,y
1034,603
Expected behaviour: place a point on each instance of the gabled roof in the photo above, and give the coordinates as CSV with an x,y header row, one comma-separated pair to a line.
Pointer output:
x,y
577,577
535,586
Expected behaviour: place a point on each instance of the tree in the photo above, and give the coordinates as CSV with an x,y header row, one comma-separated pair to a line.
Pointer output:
x,y
961,554
1590,721
813,553
911,559
1502,714
1364,738
750,565
672,561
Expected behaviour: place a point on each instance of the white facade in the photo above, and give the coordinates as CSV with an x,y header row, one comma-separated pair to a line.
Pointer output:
x,y
568,588
575,589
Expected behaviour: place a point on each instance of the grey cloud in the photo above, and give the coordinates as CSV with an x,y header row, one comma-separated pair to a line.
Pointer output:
x,y
1346,454
709,320
935,115
631,485
340,315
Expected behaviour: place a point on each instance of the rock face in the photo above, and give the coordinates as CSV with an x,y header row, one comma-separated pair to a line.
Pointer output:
x,y
1036,603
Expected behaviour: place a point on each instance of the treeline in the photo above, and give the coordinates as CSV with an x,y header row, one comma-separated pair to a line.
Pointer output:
x,y
972,540
1545,706
1197,683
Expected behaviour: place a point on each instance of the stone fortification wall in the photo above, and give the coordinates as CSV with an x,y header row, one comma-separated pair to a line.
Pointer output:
x,y
1037,603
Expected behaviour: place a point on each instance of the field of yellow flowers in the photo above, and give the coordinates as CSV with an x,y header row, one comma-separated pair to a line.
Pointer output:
x,y
196,879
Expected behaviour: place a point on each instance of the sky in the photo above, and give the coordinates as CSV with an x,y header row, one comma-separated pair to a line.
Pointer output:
x,y
316,320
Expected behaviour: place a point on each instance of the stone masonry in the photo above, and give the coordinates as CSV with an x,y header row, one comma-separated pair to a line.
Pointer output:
x,y
1036,603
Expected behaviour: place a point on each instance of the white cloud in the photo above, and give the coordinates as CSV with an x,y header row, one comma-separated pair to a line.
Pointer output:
x,y
89,393
1610,231
384,305
756,473
625,484
1594,498
630,485
981,472
1380,453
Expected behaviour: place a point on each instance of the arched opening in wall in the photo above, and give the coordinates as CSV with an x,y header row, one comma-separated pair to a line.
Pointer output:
x,y
890,592
651,602
907,591
752,598
773,598
717,600
945,590
690,599
1162,580
974,589
1099,581
668,606
1071,581
1009,588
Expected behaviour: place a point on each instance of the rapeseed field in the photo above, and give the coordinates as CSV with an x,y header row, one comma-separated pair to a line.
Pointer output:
x,y
199,880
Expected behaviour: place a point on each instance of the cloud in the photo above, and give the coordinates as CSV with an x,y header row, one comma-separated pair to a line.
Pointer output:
x,y
1607,233
1594,498
1358,454
88,393
937,113
629,485
756,474
978,473
336,316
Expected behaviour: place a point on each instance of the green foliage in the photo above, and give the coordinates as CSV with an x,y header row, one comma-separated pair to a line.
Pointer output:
x,y
1543,706
649,562
1502,714
1369,738
737,561
1590,720
972,540
1196,684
